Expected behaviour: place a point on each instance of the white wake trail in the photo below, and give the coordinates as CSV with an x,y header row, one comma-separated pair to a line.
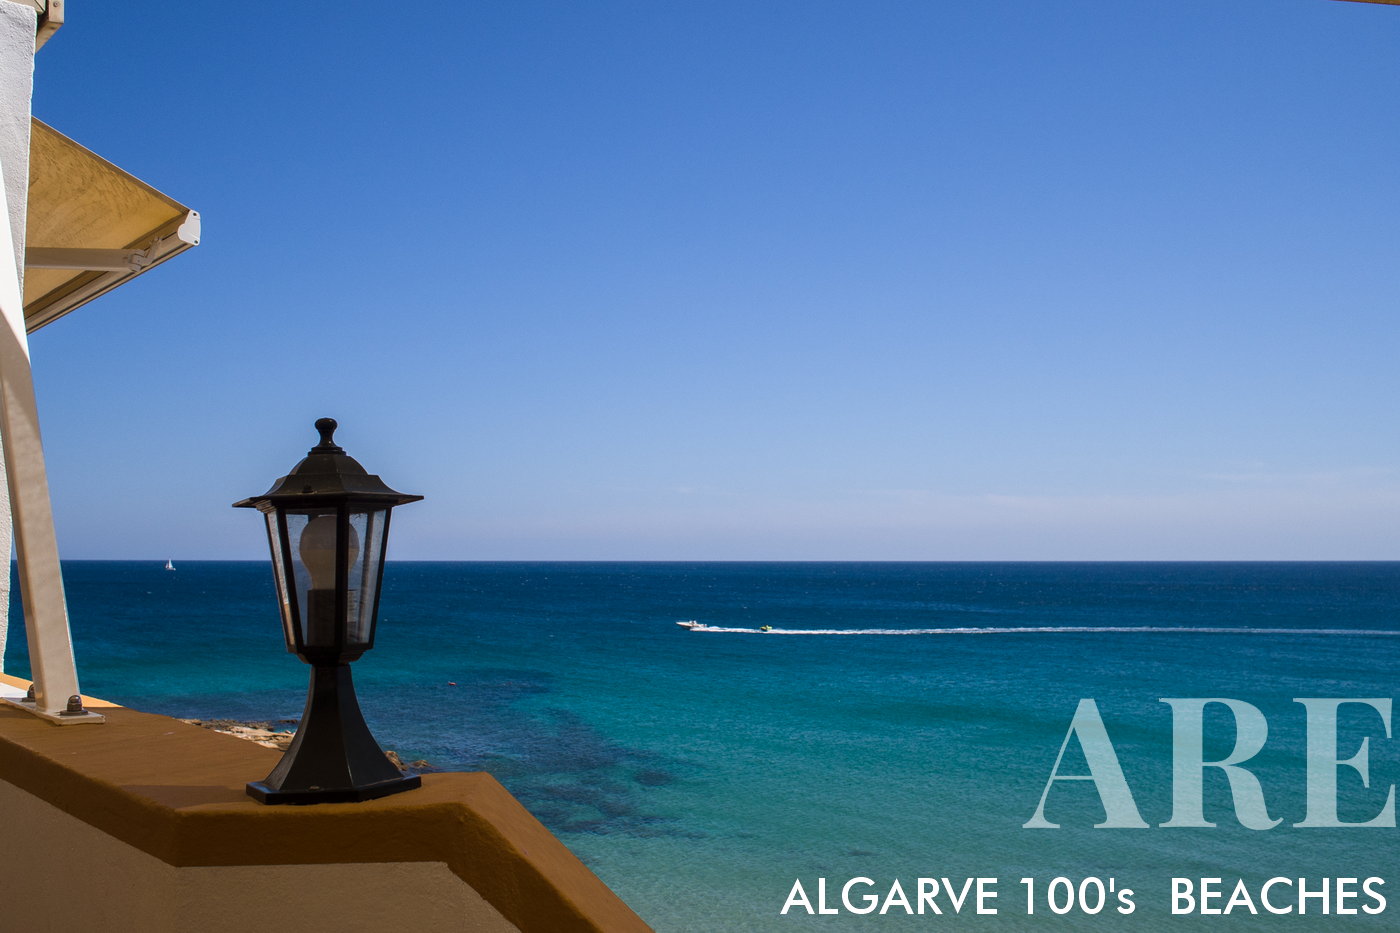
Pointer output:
x,y
1048,630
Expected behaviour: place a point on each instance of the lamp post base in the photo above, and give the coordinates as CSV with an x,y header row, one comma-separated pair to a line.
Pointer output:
x,y
264,794
333,758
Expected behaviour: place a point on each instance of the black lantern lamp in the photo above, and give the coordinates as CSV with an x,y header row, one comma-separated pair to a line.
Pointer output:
x,y
327,524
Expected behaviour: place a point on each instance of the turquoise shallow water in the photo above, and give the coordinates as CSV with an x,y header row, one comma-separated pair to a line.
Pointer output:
x,y
700,773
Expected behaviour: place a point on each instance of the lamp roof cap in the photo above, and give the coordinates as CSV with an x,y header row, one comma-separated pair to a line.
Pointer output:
x,y
325,476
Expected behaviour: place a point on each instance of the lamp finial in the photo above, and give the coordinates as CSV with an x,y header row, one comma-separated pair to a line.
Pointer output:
x,y
327,426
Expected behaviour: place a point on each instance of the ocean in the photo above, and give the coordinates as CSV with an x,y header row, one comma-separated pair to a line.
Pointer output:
x,y
899,721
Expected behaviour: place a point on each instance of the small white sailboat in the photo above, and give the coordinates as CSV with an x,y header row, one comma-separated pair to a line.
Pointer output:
x,y
169,565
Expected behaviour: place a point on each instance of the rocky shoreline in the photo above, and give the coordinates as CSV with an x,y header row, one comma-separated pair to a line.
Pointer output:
x,y
278,734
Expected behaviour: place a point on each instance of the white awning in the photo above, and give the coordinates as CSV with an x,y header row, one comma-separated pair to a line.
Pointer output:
x,y
91,227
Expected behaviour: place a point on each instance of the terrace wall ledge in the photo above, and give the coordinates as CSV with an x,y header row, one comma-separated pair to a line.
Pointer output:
x,y
142,823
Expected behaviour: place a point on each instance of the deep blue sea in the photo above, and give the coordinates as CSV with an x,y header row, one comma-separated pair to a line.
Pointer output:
x,y
900,721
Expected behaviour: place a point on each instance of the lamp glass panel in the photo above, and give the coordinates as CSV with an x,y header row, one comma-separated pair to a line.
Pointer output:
x,y
362,571
311,535
279,577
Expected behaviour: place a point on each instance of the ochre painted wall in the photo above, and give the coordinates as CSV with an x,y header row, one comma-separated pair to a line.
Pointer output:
x,y
162,803
76,877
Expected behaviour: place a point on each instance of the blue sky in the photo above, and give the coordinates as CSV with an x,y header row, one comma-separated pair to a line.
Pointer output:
x,y
1090,279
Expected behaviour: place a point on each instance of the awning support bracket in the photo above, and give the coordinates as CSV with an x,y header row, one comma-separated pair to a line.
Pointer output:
x,y
87,260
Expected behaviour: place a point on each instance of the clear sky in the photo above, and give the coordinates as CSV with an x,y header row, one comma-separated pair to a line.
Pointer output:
x,y
924,280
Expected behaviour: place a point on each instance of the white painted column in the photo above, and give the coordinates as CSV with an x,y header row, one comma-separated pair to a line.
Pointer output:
x,y
16,88
40,577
